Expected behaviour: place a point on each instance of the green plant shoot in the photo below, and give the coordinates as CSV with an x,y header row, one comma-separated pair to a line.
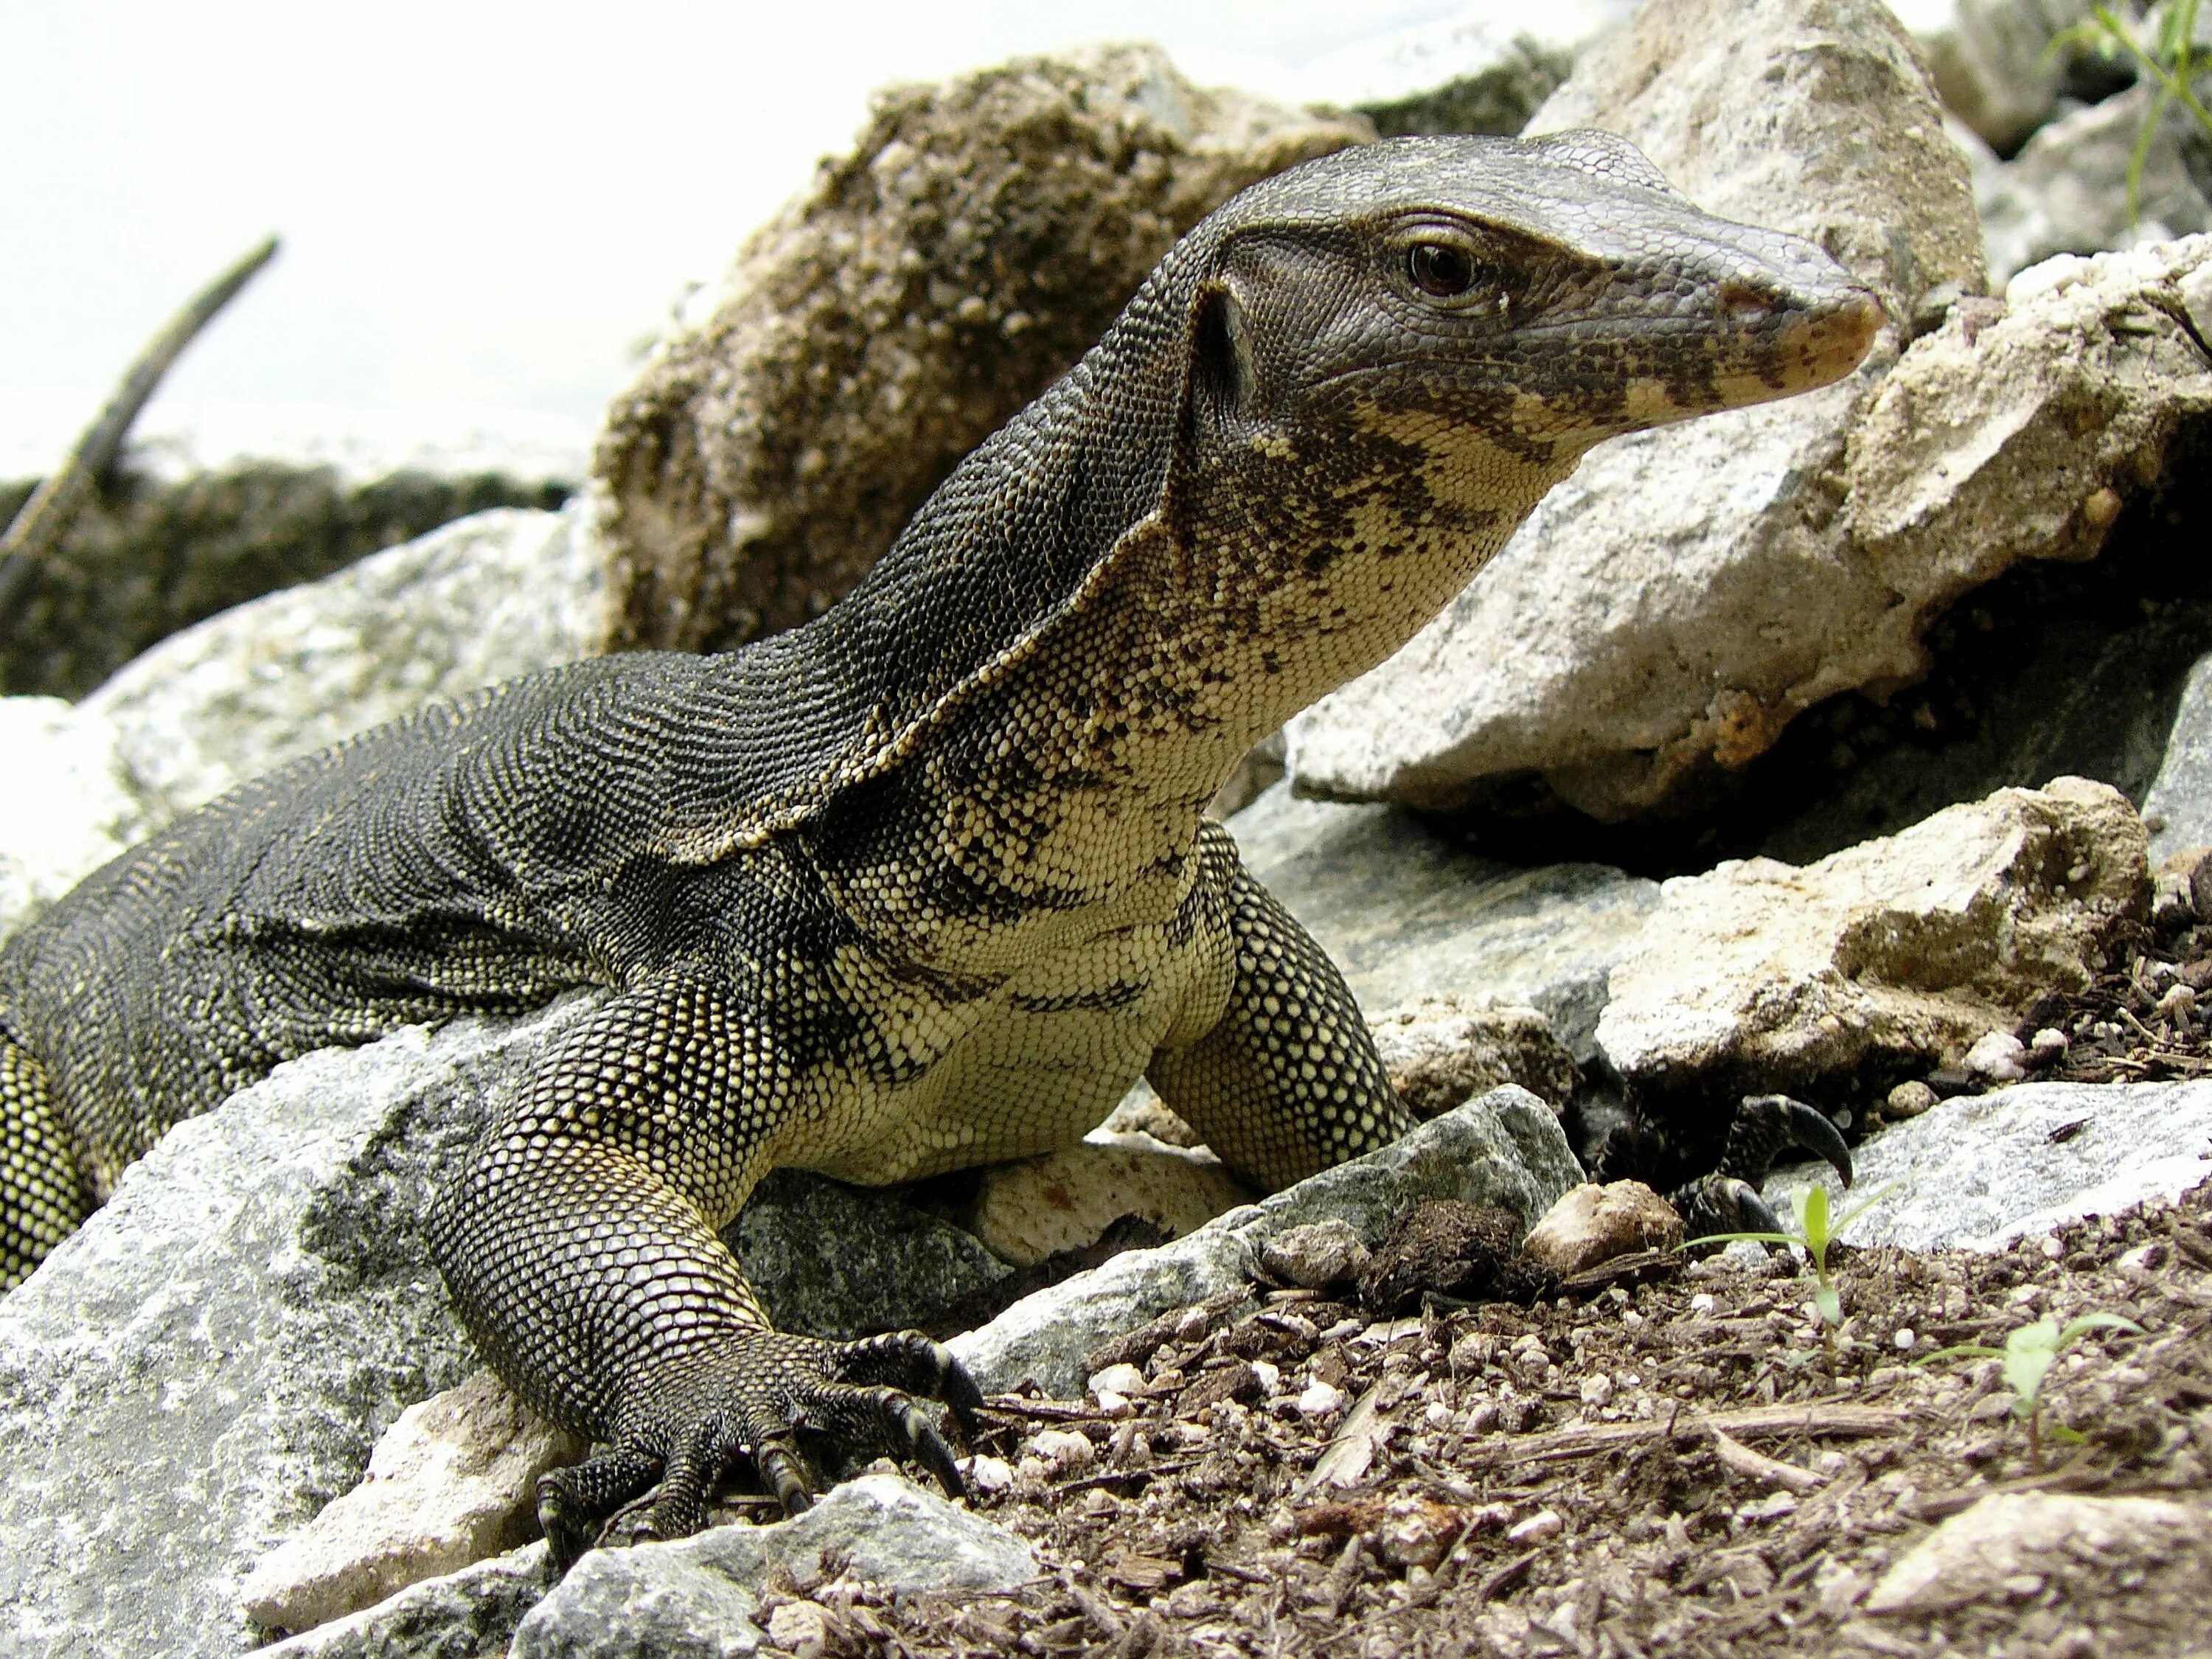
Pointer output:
x,y
2171,59
2029,1353
1813,1233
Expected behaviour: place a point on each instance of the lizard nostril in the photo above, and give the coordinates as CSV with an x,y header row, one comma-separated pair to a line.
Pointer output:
x,y
1740,302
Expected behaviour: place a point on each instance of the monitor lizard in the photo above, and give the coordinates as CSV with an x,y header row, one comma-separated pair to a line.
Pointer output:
x,y
925,882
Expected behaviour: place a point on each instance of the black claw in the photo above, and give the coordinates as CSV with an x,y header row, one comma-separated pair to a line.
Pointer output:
x,y
1752,1213
1765,1124
783,1474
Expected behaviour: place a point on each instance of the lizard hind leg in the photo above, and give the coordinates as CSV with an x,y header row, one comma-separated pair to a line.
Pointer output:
x,y
42,1198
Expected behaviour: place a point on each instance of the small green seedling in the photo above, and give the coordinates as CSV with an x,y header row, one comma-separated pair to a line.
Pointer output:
x,y
2028,1354
2167,52
1814,1233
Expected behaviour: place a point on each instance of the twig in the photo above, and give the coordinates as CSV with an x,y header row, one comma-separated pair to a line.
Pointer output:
x,y
1593,1439
1498,1578
1759,1466
39,527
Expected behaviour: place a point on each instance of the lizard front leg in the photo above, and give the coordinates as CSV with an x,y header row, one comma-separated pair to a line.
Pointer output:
x,y
1287,1081
581,1245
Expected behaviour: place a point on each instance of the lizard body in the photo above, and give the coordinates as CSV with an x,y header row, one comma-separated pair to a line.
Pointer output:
x,y
926,882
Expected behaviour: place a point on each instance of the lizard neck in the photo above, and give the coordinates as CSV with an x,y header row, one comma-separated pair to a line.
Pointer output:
x,y
1065,800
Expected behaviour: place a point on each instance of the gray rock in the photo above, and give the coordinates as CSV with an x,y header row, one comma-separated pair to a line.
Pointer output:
x,y
2119,1575
836,1261
2177,806
697,1596
70,806
1681,597
1882,959
451,1483
1506,1149
210,1358
1996,71
1977,1171
976,240
2067,192
1408,916
483,600
469,1614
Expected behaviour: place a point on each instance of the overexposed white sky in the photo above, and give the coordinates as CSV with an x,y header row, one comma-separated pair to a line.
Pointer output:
x,y
482,205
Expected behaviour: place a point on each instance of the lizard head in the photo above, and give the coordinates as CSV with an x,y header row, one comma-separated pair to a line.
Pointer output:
x,y
1392,353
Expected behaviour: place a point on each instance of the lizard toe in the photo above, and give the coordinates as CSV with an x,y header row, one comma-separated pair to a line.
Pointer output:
x,y
912,1362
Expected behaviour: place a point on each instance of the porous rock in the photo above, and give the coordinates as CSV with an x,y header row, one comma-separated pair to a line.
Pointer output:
x,y
1442,1050
2067,191
1593,1223
1035,1207
1409,914
452,1482
2113,1575
1881,960
483,599
70,806
696,1597
1506,1149
1977,1171
1678,598
976,240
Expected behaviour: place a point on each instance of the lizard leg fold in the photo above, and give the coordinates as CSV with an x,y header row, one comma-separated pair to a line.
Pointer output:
x,y
581,1245
42,1198
1288,1081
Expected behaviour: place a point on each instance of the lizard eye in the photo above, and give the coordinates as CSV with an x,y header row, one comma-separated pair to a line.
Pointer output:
x,y
1441,269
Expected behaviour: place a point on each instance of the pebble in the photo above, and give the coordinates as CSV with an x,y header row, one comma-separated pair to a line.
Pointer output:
x,y
2052,1247
1905,1338
2178,1000
1545,1523
1908,1100
989,1474
1703,1302
1117,1379
1321,1399
2047,1044
1597,1389
1065,1449
2000,1056
1270,1376
2144,1258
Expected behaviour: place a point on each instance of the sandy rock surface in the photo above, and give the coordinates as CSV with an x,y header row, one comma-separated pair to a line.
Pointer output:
x,y
1893,955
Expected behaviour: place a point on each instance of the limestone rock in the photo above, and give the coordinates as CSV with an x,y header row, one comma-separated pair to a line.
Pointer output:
x,y
70,806
1036,1207
1977,1171
452,1482
1408,916
696,1596
204,1365
1885,958
468,1615
483,600
1678,599
1592,1225
976,240
1442,1050
2067,191
1506,1149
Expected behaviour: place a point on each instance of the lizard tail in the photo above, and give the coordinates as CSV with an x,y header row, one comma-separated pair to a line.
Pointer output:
x,y
42,1200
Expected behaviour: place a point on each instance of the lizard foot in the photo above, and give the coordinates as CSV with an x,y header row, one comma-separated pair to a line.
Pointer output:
x,y
756,1398
1728,1200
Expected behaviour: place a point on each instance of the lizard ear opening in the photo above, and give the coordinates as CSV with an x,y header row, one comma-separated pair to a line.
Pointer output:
x,y
1220,358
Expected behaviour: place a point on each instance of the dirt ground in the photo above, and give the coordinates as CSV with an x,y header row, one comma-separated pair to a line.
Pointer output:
x,y
1678,1466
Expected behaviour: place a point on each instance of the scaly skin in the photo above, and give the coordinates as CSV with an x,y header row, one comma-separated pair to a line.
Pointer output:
x,y
926,882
